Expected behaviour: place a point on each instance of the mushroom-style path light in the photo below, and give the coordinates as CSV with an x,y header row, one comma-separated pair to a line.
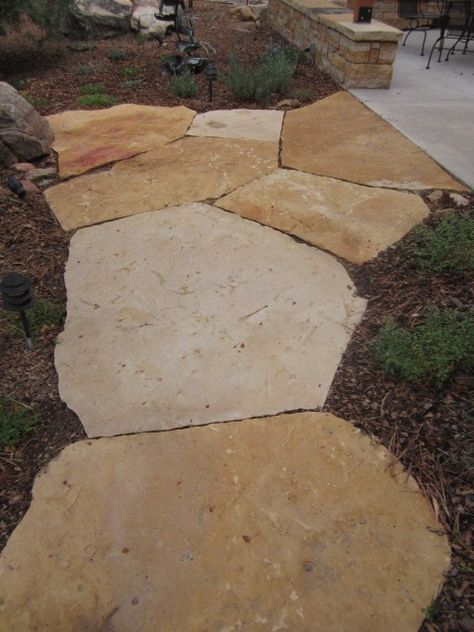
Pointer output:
x,y
17,295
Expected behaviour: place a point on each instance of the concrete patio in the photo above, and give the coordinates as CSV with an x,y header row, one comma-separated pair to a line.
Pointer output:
x,y
434,108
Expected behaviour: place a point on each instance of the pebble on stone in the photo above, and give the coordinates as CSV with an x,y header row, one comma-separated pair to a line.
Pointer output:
x,y
189,170
194,315
85,139
352,221
297,522
251,124
339,137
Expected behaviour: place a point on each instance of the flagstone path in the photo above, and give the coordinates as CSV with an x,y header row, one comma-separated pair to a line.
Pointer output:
x,y
188,305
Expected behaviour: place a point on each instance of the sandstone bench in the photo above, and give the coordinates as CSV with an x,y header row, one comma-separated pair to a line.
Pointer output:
x,y
356,55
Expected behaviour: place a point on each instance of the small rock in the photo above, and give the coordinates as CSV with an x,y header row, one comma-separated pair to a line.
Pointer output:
x,y
288,104
44,182
435,196
245,13
37,174
30,187
23,166
459,199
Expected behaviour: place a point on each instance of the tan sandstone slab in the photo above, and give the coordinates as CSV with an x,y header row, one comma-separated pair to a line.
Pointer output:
x,y
86,139
292,523
188,170
251,124
341,138
194,315
355,222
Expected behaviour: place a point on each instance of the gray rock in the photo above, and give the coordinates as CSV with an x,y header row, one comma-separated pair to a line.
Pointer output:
x,y
38,174
24,133
98,17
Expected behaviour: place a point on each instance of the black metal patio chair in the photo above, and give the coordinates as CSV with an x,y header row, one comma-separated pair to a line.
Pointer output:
x,y
456,23
420,19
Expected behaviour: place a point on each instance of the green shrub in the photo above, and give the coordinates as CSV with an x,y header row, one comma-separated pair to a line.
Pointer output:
x,y
448,247
272,75
241,81
117,54
184,85
44,313
15,421
129,72
432,351
97,101
92,88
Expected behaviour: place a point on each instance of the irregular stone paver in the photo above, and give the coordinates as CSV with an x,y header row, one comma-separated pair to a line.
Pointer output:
x,y
290,523
194,315
355,222
251,124
189,170
340,137
86,139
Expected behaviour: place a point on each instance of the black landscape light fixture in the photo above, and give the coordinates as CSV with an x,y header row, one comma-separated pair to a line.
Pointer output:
x,y
210,72
17,295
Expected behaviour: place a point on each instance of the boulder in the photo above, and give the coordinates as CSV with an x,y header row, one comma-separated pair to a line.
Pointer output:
x,y
99,17
24,133
144,21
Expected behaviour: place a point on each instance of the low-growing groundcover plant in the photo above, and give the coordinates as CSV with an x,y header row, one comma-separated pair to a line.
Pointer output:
x,y
44,314
94,95
431,351
15,421
446,247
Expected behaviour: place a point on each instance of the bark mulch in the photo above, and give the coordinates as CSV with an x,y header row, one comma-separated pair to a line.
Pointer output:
x,y
54,80
429,429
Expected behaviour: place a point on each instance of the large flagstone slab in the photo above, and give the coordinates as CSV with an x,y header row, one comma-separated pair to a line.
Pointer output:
x,y
296,523
194,315
188,170
86,139
355,222
251,124
341,138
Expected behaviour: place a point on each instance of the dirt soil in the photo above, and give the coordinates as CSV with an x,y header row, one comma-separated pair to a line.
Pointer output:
x,y
54,80
429,429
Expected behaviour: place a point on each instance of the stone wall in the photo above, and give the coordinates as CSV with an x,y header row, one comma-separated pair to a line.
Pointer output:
x,y
356,55
387,11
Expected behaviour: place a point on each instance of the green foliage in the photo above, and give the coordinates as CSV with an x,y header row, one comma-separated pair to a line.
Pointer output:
x,y
44,313
36,102
15,421
432,351
141,39
117,54
184,85
429,613
93,95
131,84
85,70
97,101
129,72
92,88
448,247
45,13
303,95
272,75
